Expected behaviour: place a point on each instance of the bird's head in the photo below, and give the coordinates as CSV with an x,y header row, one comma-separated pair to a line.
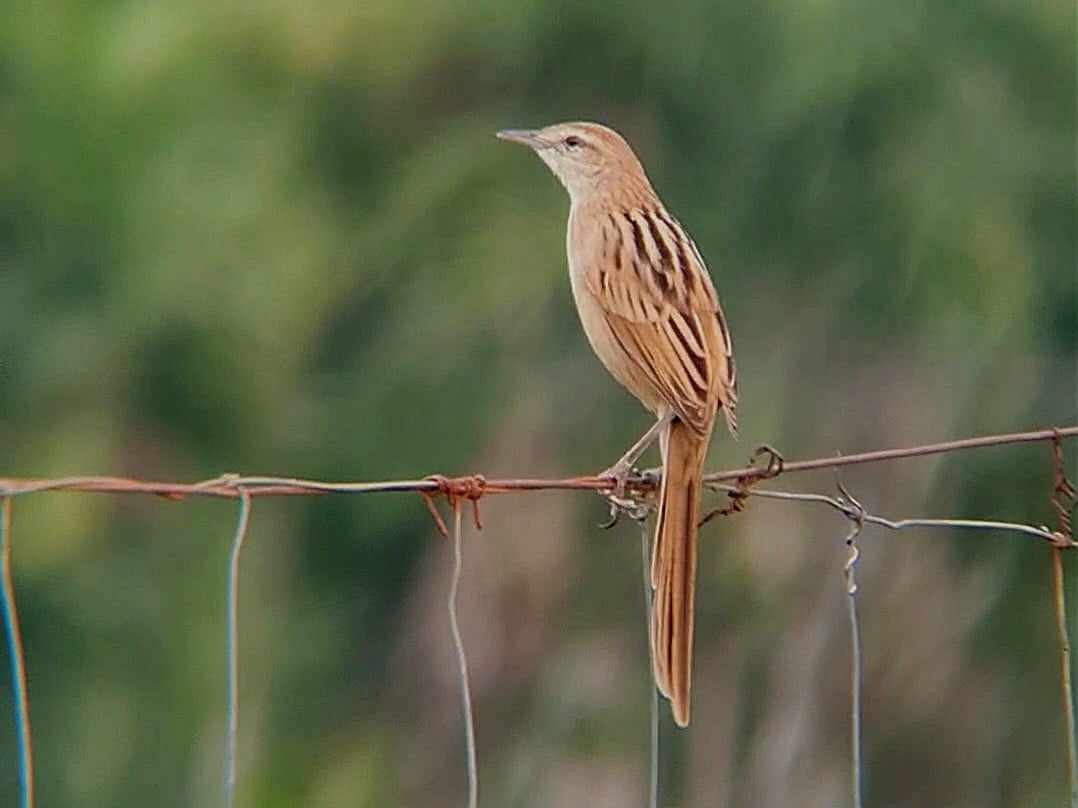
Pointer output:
x,y
588,158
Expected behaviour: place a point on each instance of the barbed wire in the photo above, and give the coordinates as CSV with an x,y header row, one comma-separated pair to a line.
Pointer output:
x,y
475,486
739,484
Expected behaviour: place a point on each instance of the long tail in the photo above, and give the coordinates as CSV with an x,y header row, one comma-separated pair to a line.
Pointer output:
x,y
673,565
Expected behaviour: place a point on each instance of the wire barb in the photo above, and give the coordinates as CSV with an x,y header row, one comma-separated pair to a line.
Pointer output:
x,y
1064,495
741,489
454,489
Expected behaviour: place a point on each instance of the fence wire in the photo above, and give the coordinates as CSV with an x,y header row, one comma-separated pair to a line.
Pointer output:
x,y
740,484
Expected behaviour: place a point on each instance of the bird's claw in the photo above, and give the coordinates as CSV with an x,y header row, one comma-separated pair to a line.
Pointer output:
x,y
618,498
613,520
634,509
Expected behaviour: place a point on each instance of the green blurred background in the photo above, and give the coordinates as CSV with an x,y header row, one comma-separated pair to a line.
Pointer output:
x,y
280,238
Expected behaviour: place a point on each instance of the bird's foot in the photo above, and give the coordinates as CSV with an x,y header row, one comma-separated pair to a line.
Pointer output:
x,y
618,498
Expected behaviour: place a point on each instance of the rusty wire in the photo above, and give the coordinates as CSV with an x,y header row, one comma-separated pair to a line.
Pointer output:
x,y
471,488
1064,493
229,485
1062,500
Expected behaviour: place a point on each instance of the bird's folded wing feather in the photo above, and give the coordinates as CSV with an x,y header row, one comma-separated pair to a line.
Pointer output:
x,y
661,307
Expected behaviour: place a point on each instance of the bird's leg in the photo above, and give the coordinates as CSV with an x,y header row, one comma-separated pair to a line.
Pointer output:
x,y
621,470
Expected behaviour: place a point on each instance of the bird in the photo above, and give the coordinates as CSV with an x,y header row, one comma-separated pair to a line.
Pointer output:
x,y
651,314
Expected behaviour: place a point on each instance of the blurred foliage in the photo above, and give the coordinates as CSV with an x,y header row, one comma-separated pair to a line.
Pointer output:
x,y
266,237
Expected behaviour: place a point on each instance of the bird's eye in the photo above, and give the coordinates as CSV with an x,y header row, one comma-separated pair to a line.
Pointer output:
x,y
572,141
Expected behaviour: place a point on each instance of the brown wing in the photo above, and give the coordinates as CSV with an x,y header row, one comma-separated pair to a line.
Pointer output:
x,y
661,307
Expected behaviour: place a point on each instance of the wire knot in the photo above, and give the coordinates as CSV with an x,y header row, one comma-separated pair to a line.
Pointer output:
x,y
455,489
853,510
851,507
775,461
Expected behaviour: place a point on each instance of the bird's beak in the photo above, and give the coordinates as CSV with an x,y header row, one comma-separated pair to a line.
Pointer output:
x,y
528,137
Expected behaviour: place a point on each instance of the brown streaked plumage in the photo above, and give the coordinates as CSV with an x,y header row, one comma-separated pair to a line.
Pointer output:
x,y
651,314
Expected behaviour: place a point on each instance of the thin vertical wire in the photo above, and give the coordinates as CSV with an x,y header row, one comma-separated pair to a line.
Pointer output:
x,y
855,665
653,774
18,663
462,660
855,708
1065,670
233,647
1062,620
